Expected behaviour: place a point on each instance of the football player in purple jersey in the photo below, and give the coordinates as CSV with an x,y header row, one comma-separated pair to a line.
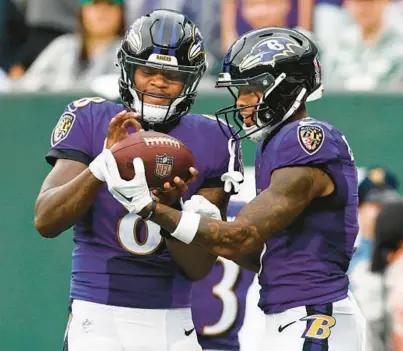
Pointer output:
x,y
219,300
305,212
131,287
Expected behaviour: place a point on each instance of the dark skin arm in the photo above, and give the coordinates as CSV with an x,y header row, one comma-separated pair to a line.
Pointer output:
x,y
291,190
70,188
66,195
194,260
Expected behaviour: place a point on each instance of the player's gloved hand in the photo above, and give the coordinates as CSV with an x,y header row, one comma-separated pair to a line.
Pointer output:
x,y
133,194
171,193
232,180
199,204
117,130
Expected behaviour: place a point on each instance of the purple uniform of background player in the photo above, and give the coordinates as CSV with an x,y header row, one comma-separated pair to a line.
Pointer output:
x,y
219,315
298,260
109,266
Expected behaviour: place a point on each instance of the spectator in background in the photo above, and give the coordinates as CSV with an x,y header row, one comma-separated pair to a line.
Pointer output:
x,y
137,8
387,259
202,13
369,52
47,19
73,61
13,32
235,13
240,16
329,19
379,187
4,82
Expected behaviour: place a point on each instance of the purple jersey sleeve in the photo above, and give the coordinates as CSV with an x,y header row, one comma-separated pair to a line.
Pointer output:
x,y
72,137
305,143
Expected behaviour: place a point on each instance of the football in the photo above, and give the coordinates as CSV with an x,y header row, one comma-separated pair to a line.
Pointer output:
x,y
164,157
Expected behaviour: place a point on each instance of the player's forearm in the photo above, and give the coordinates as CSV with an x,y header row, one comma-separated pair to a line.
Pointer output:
x,y
274,209
194,261
232,240
227,239
57,209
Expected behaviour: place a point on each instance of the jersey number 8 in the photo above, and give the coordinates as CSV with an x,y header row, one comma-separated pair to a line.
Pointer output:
x,y
138,236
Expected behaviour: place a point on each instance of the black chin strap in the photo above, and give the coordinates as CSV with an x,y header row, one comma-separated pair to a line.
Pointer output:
x,y
160,127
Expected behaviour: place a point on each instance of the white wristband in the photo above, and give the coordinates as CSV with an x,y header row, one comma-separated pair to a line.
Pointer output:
x,y
187,227
98,166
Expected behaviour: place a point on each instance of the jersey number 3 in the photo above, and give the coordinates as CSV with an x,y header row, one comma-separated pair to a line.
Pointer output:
x,y
224,290
138,236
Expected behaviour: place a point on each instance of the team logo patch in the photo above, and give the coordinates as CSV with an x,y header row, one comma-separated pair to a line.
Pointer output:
x,y
310,138
87,326
62,128
163,165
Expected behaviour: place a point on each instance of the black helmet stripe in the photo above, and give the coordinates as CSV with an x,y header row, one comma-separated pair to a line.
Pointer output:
x,y
174,38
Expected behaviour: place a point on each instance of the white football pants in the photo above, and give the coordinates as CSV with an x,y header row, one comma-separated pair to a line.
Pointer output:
x,y
100,327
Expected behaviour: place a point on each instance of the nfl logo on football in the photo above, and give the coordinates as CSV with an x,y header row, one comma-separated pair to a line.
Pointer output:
x,y
163,165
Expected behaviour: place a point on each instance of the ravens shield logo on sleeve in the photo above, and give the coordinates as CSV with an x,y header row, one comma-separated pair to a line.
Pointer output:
x,y
310,138
62,128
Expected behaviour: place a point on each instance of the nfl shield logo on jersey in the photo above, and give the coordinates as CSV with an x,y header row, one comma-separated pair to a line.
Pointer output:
x,y
163,165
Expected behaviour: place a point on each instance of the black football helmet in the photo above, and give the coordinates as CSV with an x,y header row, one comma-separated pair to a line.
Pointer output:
x,y
280,63
166,40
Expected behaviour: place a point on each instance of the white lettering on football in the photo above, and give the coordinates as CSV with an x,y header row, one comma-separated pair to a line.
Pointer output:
x,y
162,141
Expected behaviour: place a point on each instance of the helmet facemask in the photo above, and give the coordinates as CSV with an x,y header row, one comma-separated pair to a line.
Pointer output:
x,y
273,108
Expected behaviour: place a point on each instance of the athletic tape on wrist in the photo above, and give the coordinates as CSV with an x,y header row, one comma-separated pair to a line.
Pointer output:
x,y
187,227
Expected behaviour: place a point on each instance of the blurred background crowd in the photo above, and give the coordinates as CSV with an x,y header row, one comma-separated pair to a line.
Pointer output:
x,y
61,45
70,45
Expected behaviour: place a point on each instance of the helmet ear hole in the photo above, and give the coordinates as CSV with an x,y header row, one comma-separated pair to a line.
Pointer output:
x,y
298,40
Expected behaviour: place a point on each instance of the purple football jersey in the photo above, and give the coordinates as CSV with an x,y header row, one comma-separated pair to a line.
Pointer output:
x,y
306,263
219,301
118,258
